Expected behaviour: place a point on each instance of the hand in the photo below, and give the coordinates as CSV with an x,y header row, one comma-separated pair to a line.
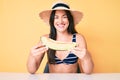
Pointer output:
x,y
79,52
38,49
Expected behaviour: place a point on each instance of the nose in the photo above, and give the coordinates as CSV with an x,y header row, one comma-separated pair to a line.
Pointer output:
x,y
60,20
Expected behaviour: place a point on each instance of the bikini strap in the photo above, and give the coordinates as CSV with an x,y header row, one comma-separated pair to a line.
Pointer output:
x,y
74,38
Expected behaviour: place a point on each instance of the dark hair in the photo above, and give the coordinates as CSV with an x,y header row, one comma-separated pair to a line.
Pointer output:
x,y
52,35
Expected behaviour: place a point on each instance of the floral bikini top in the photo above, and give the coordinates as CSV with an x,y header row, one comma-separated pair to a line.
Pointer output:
x,y
71,58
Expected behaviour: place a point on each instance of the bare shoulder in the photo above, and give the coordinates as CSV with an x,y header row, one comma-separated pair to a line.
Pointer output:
x,y
80,37
81,40
46,35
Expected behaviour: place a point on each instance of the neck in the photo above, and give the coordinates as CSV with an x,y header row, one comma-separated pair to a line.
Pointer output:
x,y
63,36
59,34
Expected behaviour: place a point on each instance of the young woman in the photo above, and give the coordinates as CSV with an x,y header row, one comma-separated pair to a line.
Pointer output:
x,y
62,22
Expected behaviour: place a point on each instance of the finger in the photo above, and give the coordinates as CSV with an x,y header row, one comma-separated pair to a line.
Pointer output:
x,y
38,46
79,49
72,51
75,50
40,51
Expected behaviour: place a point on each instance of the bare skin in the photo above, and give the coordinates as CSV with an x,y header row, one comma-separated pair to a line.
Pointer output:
x,y
38,51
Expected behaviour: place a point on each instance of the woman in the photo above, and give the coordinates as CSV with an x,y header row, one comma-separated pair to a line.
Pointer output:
x,y
62,23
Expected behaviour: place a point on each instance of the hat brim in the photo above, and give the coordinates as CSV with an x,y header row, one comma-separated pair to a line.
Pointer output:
x,y
45,15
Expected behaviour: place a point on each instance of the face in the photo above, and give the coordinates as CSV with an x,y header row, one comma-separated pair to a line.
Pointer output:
x,y
61,22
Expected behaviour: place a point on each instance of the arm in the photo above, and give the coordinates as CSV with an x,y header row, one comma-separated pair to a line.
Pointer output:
x,y
86,63
85,59
35,57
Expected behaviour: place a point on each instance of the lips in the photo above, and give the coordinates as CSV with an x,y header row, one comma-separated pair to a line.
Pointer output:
x,y
61,25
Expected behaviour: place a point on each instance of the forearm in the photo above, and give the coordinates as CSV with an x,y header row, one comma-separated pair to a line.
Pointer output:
x,y
87,64
33,63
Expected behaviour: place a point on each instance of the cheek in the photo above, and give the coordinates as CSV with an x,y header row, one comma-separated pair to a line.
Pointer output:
x,y
66,21
55,21
55,24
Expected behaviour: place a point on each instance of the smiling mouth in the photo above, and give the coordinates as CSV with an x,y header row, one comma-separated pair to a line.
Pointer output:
x,y
61,25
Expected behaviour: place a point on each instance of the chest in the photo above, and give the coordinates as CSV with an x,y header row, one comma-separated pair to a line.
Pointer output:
x,y
67,58
62,54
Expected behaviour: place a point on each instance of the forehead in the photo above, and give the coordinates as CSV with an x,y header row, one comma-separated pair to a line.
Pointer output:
x,y
60,12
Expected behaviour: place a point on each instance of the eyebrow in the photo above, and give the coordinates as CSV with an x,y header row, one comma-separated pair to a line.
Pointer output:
x,y
62,15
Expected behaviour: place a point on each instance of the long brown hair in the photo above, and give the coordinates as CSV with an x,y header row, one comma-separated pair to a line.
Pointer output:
x,y
52,35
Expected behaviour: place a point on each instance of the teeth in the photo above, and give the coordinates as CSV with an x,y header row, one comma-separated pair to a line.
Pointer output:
x,y
61,25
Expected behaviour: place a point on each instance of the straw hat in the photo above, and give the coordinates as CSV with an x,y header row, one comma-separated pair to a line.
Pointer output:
x,y
45,15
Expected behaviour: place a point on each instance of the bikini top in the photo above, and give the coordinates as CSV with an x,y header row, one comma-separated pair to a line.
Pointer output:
x,y
71,58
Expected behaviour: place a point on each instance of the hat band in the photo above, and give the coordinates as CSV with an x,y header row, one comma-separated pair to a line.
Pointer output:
x,y
61,5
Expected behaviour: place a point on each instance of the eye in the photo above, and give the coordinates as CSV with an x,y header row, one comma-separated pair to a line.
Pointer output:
x,y
56,17
65,16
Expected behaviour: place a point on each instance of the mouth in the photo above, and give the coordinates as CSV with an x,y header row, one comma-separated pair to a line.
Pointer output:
x,y
61,25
